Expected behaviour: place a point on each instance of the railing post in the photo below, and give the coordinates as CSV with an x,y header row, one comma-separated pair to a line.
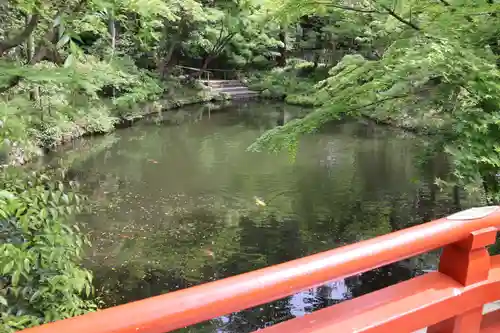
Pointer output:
x,y
467,262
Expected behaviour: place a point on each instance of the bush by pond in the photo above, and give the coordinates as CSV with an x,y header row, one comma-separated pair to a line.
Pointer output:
x,y
40,252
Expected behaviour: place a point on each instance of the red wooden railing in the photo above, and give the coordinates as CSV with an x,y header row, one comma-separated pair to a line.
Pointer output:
x,y
448,301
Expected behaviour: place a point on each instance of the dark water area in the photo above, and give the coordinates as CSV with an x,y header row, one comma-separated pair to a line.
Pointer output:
x,y
178,201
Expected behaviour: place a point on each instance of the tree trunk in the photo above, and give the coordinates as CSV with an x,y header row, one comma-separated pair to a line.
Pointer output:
x,y
165,63
316,60
206,61
282,49
30,51
31,24
112,32
456,198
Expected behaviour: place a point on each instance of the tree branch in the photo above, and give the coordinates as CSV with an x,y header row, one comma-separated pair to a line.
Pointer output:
x,y
386,9
377,102
353,9
222,43
8,44
444,2
447,4
43,49
219,38
400,19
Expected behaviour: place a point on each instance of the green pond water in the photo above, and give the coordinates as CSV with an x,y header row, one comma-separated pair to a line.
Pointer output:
x,y
178,201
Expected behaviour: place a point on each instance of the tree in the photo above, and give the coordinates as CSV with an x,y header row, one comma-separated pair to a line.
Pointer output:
x,y
442,58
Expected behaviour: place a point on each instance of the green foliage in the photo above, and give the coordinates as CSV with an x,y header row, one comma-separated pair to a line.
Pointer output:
x,y
440,72
40,276
77,70
294,83
69,102
73,68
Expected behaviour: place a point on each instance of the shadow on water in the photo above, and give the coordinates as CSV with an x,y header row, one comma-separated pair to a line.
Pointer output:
x,y
178,201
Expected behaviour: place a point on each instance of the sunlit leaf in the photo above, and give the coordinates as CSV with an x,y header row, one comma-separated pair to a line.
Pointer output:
x,y
63,41
69,60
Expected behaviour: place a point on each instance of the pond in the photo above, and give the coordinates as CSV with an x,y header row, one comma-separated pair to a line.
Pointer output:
x,y
179,201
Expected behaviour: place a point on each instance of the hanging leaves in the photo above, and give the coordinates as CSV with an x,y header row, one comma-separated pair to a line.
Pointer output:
x,y
438,70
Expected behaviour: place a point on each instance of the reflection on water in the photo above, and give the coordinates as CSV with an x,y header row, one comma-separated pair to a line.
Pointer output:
x,y
179,201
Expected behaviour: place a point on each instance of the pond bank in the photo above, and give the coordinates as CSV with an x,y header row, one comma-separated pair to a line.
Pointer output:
x,y
302,85
20,154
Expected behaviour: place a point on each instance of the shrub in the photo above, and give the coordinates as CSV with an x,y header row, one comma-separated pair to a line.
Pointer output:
x,y
40,276
295,83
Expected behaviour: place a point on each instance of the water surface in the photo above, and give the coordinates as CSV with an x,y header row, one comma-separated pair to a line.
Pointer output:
x,y
179,202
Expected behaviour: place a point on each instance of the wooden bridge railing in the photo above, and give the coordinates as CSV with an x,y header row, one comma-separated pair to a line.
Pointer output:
x,y
212,74
447,301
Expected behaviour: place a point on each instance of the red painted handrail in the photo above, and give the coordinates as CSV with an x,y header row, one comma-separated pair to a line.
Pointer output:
x,y
464,263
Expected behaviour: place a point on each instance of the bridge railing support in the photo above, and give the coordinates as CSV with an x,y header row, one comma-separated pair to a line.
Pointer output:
x,y
467,262
447,301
